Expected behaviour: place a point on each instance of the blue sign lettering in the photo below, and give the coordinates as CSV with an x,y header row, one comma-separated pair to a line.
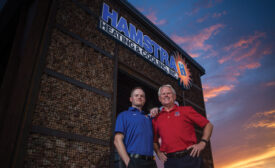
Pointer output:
x,y
147,44
173,63
133,38
106,15
122,26
182,69
156,49
164,57
136,36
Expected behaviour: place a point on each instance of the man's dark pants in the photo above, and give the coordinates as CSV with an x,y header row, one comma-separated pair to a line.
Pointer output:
x,y
139,163
184,162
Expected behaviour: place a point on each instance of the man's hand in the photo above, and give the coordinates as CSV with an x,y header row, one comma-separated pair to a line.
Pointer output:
x,y
118,141
154,112
197,148
127,161
162,156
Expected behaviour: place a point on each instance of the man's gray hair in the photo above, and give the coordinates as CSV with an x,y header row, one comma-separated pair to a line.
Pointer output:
x,y
173,90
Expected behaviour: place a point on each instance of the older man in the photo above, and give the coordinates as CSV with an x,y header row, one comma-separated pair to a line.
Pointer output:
x,y
175,126
134,134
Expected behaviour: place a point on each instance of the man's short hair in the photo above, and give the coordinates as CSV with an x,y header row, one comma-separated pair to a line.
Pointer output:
x,y
135,88
173,90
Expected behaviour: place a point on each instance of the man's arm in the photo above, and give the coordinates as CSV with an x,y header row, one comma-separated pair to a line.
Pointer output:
x,y
160,154
207,131
197,148
118,141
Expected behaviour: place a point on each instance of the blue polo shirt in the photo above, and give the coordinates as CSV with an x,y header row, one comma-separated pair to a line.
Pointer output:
x,y
137,130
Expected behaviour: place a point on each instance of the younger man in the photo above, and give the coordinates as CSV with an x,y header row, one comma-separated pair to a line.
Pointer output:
x,y
134,134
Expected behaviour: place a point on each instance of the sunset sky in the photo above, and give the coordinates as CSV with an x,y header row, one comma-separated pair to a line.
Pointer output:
x,y
234,40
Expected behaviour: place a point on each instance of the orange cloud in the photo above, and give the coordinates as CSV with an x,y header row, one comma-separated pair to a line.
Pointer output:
x,y
203,4
270,83
246,48
229,56
141,9
153,18
250,66
244,42
197,42
194,55
254,161
179,39
233,71
267,51
211,92
250,53
217,15
200,20
262,120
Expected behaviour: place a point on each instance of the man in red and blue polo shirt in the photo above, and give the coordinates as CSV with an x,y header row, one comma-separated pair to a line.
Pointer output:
x,y
134,134
175,126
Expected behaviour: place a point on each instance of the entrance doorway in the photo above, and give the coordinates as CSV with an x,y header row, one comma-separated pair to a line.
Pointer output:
x,y
125,84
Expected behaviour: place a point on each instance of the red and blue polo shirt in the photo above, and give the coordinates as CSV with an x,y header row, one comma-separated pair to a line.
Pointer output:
x,y
176,128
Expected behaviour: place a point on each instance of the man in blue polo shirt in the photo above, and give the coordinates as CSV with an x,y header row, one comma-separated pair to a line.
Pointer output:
x,y
134,134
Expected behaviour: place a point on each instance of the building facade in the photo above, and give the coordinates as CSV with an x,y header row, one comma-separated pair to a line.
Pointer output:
x,y
69,66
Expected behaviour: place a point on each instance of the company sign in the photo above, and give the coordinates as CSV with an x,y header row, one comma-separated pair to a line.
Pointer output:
x,y
144,46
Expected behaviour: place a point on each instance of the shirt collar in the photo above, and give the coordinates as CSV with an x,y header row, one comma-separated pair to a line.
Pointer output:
x,y
163,109
135,110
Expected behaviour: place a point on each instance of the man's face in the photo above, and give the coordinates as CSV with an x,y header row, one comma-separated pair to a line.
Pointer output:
x,y
167,97
137,98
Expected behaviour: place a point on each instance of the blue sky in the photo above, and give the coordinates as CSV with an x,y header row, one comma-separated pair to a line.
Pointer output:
x,y
234,41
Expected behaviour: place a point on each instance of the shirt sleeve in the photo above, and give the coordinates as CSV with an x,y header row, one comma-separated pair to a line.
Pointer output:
x,y
120,124
196,117
155,129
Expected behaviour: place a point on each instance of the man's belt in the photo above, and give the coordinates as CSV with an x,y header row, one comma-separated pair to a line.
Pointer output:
x,y
179,154
138,156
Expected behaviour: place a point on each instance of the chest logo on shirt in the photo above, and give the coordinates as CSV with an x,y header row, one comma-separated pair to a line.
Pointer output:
x,y
177,113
